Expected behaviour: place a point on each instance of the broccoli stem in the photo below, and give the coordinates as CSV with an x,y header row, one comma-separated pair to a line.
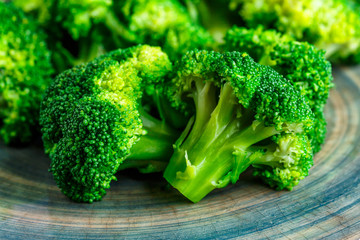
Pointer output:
x,y
167,113
62,59
153,151
88,50
150,154
118,29
218,151
192,9
205,101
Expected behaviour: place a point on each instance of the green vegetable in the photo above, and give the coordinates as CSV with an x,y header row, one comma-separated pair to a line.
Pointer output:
x,y
245,114
25,71
82,30
330,25
213,15
93,119
301,63
173,105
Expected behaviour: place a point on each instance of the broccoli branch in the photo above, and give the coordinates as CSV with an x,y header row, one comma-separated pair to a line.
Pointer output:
x,y
218,144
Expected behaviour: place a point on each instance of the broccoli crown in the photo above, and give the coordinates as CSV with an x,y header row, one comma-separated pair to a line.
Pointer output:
x,y
289,163
78,17
301,63
90,117
257,42
184,37
25,71
165,23
41,10
306,68
244,112
152,19
78,28
330,25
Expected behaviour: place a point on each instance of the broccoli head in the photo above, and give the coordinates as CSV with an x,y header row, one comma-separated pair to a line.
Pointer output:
x,y
301,63
164,23
93,118
41,10
25,72
244,114
329,25
83,30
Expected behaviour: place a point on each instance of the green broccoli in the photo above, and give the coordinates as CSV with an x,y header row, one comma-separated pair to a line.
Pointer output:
x,y
41,10
213,15
87,29
25,72
165,23
94,118
301,63
245,114
330,25
72,27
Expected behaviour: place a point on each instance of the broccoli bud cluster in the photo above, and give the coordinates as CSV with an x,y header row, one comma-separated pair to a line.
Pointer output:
x,y
142,84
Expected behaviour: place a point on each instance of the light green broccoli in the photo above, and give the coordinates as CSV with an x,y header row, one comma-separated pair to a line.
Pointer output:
x,y
25,72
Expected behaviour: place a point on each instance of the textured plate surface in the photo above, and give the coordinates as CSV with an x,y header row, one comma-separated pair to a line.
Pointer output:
x,y
324,205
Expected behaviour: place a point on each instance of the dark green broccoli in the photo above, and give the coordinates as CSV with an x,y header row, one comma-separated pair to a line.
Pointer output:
x,y
301,63
72,27
87,29
25,71
41,10
257,42
245,114
94,118
213,15
330,25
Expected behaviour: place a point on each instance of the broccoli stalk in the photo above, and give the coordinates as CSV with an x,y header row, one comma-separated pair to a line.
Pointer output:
x,y
240,127
151,153
213,15
214,146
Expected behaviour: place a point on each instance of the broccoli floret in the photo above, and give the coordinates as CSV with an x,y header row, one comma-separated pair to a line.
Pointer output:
x,y
245,114
25,71
301,63
329,25
257,42
74,28
41,10
72,36
87,29
78,17
165,23
93,119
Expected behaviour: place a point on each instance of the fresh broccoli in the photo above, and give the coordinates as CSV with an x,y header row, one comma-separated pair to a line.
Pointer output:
x,y
41,10
72,27
301,63
164,23
94,118
245,114
87,29
257,42
25,71
330,25
213,15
